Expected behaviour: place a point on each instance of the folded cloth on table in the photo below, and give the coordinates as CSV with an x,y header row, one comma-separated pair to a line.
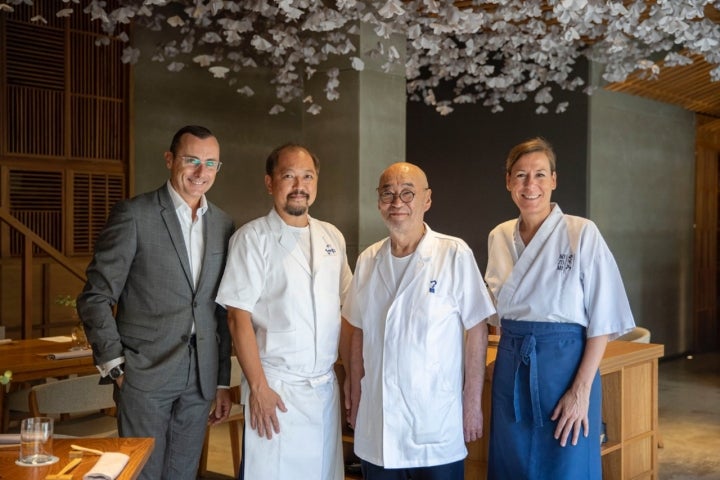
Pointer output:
x,y
58,339
9,438
108,466
86,352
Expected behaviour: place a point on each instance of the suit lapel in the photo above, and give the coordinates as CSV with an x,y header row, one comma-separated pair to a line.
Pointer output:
x,y
210,239
173,227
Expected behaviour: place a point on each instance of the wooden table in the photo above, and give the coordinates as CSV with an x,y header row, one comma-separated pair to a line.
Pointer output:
x,y
139,450
27,359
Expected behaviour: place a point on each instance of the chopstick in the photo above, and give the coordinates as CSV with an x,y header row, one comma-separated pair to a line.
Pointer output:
x,y
85,449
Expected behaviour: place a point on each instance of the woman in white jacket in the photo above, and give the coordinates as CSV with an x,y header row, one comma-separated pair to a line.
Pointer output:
x,y
559,299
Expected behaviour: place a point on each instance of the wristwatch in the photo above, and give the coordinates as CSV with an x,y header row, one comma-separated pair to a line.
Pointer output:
x,y
116,372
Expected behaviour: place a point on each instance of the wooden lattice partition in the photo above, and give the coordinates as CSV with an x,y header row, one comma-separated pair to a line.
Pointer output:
x,y
64,146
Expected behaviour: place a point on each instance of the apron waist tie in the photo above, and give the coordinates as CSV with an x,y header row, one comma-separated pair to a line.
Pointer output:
x,y
528,356
293,378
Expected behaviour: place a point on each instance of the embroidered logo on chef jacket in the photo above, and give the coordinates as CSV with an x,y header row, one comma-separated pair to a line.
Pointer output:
x,y
432,285
330,250
565,262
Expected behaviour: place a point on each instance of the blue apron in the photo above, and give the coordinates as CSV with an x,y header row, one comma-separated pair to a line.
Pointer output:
x,y
536,364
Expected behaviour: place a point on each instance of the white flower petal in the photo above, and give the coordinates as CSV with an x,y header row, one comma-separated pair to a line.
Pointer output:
x,y
276,109
261,44
392,8
204,60
130,55
175,21
219,71
357,64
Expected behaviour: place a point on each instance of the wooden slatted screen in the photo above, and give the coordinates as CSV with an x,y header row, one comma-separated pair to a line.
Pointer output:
x,y
64,153
98,92
94,196
36,199
29,133
35,83
65,123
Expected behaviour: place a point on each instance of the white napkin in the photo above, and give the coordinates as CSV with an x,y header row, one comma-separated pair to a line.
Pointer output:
x,y
108,466
9,438
70,354
58,339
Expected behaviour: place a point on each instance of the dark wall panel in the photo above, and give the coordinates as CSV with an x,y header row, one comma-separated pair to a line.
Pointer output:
x,y
464,155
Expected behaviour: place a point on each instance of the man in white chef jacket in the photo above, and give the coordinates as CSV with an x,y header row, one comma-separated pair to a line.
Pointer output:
x,y
416,314
284,281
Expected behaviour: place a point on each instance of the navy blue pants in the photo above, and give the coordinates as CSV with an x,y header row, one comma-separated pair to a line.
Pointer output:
x,y
536,364
449,471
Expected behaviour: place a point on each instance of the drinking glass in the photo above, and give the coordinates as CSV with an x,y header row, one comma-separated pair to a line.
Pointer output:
x,y
36,441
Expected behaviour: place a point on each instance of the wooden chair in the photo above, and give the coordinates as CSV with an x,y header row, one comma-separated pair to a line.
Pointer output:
x,y
80,405
235,423
637,335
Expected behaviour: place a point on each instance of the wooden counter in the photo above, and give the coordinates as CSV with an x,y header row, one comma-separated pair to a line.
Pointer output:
x,y
629,374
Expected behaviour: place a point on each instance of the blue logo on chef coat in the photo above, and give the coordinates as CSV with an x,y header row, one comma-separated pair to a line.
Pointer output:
x,y
330,250
432,285
565,262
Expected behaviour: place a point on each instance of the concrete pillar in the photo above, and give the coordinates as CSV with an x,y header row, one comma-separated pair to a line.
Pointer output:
x,y
356,137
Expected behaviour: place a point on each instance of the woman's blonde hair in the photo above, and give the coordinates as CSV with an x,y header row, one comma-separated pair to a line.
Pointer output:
x,y
537,144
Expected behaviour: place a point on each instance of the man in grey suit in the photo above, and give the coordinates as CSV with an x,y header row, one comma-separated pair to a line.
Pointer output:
x,y
159,261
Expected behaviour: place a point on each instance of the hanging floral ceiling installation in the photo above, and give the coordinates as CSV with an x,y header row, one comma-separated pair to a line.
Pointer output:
x,y
492,52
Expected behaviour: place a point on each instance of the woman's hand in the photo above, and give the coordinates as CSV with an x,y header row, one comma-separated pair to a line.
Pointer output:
x,y
571,411
571,414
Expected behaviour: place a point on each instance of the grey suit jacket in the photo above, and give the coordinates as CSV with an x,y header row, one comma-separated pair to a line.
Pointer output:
x,y
142,267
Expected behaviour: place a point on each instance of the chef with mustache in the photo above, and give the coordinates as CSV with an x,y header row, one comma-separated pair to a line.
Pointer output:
x,y
286,276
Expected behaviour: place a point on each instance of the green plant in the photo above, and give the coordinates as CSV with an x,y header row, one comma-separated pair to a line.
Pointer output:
x,y
66,301
6,377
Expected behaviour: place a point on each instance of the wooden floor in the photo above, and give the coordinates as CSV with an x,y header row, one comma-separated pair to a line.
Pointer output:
x,y
219,455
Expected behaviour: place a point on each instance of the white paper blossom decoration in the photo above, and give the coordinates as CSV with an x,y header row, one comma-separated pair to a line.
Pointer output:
x,y
130,55
219,71
247,91
491,52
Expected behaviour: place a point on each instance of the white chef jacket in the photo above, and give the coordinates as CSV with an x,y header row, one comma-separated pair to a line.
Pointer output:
x,y
565,274
295,306
411,412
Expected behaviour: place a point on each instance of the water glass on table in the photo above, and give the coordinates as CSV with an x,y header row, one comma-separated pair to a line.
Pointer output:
x,y
36,441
